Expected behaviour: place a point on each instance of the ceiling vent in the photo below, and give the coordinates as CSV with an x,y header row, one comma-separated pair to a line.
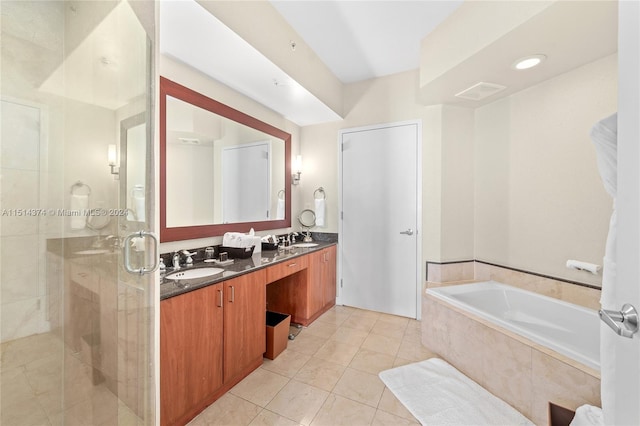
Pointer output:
x,y
480,91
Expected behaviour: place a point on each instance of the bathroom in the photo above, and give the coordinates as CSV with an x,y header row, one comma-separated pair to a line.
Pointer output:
x,y
480,201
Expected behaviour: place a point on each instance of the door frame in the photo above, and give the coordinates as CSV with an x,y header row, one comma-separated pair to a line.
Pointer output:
x,y
341,133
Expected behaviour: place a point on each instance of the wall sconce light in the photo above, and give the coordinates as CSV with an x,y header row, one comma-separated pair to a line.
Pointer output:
x,y
297,170
111,158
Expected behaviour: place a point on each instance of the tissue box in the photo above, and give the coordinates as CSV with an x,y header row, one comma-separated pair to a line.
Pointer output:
x,y
237,252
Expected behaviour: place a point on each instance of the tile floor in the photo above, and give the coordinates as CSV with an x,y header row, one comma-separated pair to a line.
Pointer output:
x,y
43,384
328,375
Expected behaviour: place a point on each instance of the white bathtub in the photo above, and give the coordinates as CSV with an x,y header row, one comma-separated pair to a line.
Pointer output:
x,y
571,330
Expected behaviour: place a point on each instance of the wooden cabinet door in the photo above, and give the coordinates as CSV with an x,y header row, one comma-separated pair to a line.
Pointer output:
x,y
315,295
244,322
329,275
191,327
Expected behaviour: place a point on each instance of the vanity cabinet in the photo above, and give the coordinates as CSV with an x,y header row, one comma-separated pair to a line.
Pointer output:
x,y
322,282
304,287
191,352
244,324
210,339
214,336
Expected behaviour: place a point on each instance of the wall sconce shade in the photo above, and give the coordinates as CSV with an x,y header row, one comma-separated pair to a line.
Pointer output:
x,y
296,166
112,156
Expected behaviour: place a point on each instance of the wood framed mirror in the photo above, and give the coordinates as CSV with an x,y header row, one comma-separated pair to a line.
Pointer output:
x,y
221,170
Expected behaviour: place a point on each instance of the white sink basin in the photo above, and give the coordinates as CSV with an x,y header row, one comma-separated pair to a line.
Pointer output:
x,y
91,251
189,274
305,245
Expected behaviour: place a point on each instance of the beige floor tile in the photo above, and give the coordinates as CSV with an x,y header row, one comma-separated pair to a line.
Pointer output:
x,y
360,322
359,386
14,387
321,329
350,335
228,410
393,319
23,413
413,334
287,363
391,329
260,386
337,352
397,362
320,373
298,401
414,351
371,362
342,411
391,404
382,418
334,317
269,418
383,344
45,374
306,343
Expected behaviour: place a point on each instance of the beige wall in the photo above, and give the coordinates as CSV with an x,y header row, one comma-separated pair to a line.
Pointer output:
x,y
513,183
447,226
538,196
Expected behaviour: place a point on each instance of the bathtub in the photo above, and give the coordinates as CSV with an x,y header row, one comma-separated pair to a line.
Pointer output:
x,y
568,329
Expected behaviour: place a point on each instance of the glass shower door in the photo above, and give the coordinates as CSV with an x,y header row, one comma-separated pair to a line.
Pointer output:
x,y
77,329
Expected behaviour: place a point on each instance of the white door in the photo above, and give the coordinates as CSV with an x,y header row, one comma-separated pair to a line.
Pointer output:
x,y
246,182
380,206
624,392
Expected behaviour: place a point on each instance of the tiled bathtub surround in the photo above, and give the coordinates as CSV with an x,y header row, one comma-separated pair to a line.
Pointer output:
x,y
522,373
452,273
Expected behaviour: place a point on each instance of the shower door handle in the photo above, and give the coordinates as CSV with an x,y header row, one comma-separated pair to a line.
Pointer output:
x,y
127,253
624,322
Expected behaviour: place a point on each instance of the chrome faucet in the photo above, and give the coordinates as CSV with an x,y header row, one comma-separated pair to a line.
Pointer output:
x,y
176,261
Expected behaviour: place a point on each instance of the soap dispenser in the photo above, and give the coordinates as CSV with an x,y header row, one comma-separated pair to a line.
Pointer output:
x,y
161,265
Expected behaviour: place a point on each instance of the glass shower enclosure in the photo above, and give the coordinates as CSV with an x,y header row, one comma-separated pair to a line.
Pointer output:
x,y
77,324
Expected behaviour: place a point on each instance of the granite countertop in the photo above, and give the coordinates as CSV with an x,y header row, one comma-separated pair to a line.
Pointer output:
x,y
170,288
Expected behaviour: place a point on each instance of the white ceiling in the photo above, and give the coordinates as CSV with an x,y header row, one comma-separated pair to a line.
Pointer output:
x,y
359,40
192,35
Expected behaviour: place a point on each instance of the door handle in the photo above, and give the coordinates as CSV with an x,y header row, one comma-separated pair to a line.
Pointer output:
x,y
624,322
127,253
407,232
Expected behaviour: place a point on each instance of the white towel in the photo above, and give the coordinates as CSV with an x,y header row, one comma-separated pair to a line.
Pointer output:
x,y
320,211
280,209
238,240
587,415
78,205
138,206
438,394
604,136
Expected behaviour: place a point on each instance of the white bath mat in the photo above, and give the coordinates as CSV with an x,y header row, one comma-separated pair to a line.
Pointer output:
x,y
438,394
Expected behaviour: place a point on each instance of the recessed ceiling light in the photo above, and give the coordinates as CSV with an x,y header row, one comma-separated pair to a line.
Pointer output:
x,y
528,62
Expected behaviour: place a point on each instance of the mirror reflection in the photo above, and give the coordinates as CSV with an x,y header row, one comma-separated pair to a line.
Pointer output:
x,y
221,170
133,153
